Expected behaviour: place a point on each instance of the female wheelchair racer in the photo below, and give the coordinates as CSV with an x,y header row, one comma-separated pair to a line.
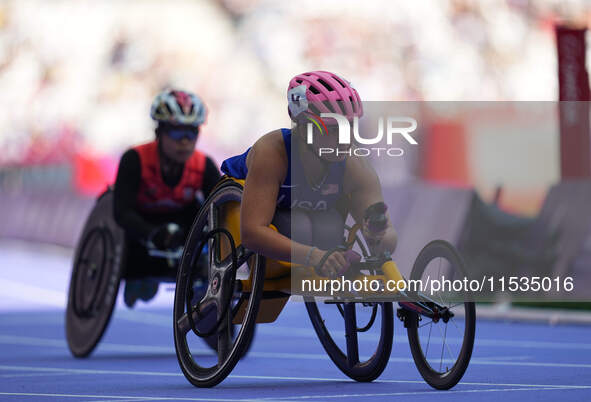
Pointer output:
x,y
136,231
282,207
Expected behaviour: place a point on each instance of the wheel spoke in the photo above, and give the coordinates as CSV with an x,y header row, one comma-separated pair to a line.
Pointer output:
x,y
429,338
439,276
212,224
183,323
425,324
451,354
444,346
351,335
455,325
224,338
442,349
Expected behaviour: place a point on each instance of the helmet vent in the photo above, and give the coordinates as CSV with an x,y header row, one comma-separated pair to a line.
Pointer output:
x,y
337,79
314,90
328,105
325,84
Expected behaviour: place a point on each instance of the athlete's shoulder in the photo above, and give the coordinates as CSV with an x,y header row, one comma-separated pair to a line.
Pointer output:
x,y
131,156
270,146
271,140
268,153
145,146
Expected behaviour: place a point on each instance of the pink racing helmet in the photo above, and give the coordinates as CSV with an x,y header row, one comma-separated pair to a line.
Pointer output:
x,y
322,92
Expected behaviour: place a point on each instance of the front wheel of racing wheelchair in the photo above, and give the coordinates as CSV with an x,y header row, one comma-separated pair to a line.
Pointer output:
x,y
441,328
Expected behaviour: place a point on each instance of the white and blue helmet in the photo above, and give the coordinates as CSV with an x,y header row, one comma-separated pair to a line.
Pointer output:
x,y
179,108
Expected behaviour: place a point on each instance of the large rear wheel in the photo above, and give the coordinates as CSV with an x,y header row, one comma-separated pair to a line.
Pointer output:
x,y
94,283
215,315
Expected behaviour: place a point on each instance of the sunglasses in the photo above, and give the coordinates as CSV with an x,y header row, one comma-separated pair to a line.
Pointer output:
x,y
178,134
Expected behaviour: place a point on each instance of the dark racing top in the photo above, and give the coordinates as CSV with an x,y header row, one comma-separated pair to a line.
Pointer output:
x,y
295,192
151,189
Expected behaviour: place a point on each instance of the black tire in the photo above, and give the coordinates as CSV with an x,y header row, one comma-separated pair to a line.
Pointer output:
x,y
437,378
233,349
348,362
94,283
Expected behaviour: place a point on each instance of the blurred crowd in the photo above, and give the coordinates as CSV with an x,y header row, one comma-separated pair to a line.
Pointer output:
x,y
79,75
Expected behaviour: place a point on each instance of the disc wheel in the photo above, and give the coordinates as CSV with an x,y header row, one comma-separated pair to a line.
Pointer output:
x,y
224,303
94,282
442,349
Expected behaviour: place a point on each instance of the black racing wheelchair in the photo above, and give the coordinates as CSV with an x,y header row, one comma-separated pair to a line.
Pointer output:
x,y
245,288
98,268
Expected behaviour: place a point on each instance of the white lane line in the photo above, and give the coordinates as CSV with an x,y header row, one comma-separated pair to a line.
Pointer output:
x,y
30,375
122,398
264,377
28,319
527,344
165,321
344,379
531,344
60,343
32,341
431,392
87,371
125,400
144,317
137,316
126,397
22,291
510,358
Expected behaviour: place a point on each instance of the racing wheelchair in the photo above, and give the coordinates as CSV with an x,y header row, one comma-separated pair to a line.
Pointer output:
x,y
245,288
98,268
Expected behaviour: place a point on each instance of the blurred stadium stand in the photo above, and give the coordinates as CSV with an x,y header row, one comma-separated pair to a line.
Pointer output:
x,y
77,79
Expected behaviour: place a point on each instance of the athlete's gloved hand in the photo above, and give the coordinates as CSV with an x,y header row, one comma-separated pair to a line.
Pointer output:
x,y
333,263
167,237
375,224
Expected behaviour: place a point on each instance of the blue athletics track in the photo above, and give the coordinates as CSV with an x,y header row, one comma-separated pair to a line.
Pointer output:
x,y
136,361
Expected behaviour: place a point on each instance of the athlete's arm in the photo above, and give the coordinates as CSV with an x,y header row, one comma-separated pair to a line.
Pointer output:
x,y
364,188
127,186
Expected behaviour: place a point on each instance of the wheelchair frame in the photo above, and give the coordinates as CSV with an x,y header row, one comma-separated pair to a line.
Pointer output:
x,y
270,279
